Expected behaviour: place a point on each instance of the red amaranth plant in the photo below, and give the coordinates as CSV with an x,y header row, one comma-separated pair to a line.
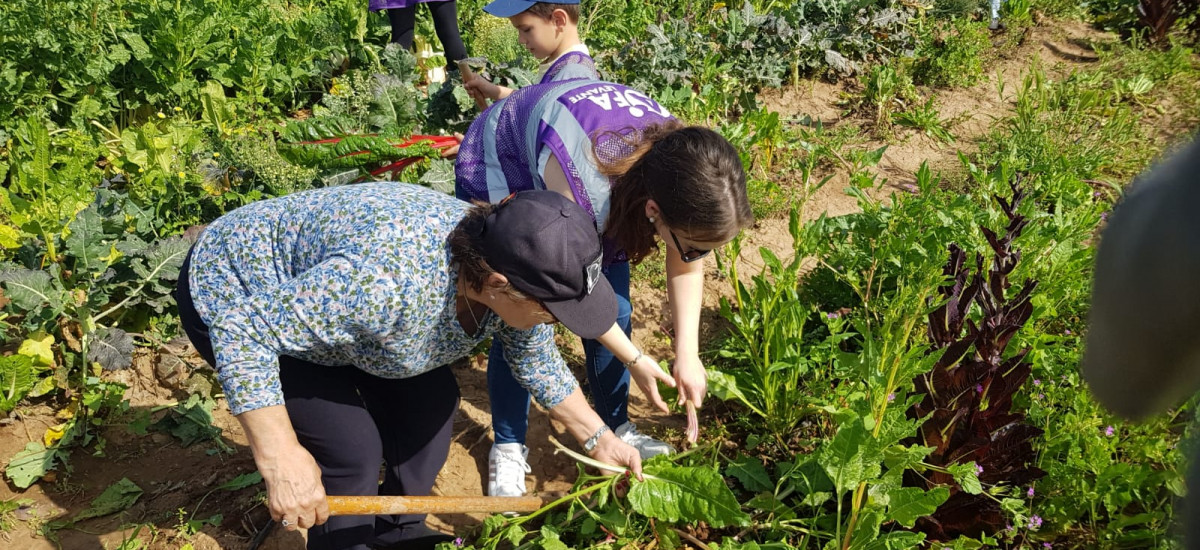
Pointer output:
x,y
1160,16
968,394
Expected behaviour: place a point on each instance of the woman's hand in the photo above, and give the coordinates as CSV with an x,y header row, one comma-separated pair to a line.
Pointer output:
x,y
582,423
612,450
294,490
692,381
646,373
296,495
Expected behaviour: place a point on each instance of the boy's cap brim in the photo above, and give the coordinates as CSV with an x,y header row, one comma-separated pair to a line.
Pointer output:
x,y
591,316
509,8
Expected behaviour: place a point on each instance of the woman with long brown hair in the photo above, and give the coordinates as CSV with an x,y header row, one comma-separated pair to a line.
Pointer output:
x,y
643,177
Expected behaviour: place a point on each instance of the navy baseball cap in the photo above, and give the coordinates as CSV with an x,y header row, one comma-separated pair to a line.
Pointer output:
x,y
509,8
548,247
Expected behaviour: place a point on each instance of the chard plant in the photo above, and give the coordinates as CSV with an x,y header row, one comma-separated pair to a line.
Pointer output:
x,y
677,495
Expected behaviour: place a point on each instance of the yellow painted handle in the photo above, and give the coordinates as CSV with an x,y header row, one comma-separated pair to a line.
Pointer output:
x,y
385,505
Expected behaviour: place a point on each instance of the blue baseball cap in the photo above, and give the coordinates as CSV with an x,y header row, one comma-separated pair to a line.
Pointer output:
x,y
509,8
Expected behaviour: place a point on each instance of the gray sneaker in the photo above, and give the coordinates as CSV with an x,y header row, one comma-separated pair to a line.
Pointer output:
x,y
996,25
647,446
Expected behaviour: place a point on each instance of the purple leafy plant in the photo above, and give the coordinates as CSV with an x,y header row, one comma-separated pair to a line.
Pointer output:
x,y
968,393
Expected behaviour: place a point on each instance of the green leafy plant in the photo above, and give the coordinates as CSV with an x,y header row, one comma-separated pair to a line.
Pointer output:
x,y
925,118
768,320
617,503
105,273
952,55
886,90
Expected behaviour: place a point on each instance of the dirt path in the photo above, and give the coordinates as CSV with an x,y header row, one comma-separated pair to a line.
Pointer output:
x,y
175,480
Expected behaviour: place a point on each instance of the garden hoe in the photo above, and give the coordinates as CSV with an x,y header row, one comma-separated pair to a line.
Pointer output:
x,y
387,505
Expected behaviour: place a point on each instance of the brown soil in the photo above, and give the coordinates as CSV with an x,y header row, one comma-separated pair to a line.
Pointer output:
x,y
175,480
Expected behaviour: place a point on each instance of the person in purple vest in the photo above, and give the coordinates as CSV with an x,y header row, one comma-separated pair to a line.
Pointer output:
x,y
643,176
550,31
402,15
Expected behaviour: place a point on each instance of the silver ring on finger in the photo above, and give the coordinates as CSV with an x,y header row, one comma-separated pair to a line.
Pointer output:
x,y
285,523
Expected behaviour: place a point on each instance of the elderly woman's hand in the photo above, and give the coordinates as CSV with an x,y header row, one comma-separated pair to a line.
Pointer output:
x,y
295,494
294,490
612,450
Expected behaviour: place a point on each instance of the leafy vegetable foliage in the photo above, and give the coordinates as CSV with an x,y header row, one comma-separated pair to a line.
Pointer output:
x,y
968,394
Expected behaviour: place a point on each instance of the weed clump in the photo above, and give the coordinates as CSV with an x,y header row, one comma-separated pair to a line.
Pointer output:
x,y
952,56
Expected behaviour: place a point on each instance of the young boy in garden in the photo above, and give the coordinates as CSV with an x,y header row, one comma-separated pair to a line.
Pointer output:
x,y
550,31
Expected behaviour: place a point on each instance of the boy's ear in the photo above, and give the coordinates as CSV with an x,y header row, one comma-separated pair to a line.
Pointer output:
x,y
559,18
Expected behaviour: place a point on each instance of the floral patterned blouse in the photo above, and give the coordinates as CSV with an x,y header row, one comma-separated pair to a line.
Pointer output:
x,y
358,275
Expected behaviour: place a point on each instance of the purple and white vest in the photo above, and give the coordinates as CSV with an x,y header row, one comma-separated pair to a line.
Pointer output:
x,y
505,150
570,66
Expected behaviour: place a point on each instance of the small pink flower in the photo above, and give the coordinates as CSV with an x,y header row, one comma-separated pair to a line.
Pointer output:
x,y
1047,545
458,542
1041,396
978,388
1029,493
1109,431
978,469
1037,382
891,397
1035,522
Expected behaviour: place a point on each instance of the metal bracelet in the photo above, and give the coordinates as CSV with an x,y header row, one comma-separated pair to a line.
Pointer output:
x,y
591,442
634,361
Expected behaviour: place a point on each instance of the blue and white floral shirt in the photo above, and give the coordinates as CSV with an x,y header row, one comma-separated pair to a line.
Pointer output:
x,y
356,275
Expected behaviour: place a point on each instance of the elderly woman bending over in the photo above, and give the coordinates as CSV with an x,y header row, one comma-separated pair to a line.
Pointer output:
x,y
330,313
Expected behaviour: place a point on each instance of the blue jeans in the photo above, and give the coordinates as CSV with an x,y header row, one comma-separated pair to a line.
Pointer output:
x,y
608,378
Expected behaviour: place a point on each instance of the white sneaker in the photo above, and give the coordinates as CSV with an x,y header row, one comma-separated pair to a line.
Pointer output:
x,y
507,469
647,446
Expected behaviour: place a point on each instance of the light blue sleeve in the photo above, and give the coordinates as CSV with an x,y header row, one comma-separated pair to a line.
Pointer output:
x,y
537,365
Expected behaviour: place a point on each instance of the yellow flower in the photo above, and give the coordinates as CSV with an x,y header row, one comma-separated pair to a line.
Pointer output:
x,y
216,155
141,170
161,115
182,175
178,109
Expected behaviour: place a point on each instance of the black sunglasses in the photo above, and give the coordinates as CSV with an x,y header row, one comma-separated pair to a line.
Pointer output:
x,y
690,255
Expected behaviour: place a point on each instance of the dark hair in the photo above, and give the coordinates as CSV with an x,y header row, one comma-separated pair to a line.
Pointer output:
x,y
466,248
466,253
694,175
545,10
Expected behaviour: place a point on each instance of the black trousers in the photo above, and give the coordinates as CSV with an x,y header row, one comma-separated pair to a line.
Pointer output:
x,y
445,24
352,422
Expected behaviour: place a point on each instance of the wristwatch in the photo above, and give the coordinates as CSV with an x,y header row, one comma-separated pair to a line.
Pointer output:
x,y
591,442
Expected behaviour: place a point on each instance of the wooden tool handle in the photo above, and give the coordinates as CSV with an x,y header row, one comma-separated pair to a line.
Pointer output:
x,y
384,505
465,70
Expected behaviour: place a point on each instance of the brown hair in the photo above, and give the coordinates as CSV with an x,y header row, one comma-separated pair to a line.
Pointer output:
x,y
466,253
694,175
546,9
